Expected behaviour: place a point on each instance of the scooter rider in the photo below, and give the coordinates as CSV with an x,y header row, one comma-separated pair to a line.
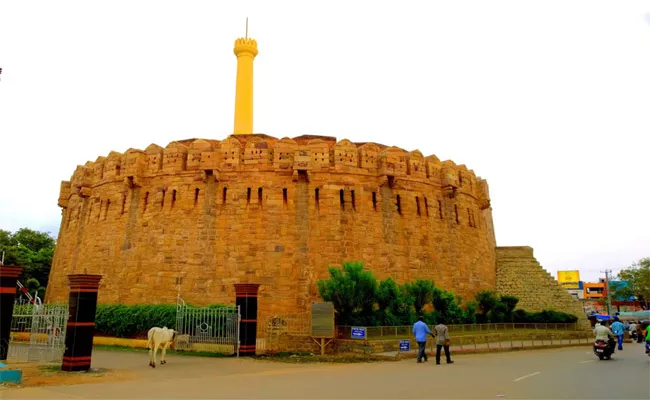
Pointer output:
x,y
603,333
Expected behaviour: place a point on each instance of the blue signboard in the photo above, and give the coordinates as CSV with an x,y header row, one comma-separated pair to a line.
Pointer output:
x,y
358,332
404,345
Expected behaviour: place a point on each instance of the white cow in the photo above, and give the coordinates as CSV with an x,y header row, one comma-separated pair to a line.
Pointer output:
x,y
159,337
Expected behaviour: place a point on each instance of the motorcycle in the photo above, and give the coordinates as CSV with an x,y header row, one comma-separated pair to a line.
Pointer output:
x,y
604,350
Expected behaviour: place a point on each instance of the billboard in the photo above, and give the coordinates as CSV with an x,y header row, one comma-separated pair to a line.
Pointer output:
x,y
569,279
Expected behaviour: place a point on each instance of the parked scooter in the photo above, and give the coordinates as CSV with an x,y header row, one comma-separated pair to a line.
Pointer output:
x,y
604,350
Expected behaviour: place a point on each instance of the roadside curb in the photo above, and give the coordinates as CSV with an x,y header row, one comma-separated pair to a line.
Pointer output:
x,y
413,354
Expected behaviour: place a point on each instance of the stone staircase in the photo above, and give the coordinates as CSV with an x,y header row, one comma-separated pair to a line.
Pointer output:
x,y
519,274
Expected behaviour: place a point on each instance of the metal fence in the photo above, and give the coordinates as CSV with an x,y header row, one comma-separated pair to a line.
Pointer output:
x,y
513,339
405,331
207,329
270,328
38,332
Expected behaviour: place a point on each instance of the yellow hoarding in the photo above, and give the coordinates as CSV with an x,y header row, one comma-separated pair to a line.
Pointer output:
x,y
569,279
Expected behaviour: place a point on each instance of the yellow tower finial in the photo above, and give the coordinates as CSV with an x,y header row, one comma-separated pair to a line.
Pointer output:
x,y
245,50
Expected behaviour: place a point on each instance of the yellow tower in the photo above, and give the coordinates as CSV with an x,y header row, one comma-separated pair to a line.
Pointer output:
x,y
245,50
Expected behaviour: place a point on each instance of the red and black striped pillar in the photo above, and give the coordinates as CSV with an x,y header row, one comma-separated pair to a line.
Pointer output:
x,y
8,278
81,322
246,299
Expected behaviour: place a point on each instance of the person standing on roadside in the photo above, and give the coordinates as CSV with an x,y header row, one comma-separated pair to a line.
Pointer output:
x,y
420,330
442,341
619,330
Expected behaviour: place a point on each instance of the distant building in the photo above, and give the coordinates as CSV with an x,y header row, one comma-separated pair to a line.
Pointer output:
x,y
594,290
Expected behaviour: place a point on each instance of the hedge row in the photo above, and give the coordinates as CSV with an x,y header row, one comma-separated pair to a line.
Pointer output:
x,y
135,321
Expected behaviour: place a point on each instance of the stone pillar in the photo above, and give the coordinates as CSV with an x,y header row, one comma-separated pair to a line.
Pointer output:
x,y
8,278
246,299
81,322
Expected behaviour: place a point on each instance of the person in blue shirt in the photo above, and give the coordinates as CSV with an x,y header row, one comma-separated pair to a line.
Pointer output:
x,y
420,330
618,329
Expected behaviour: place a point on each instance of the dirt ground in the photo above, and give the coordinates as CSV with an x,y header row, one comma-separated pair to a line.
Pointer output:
x,y
121,365
51,374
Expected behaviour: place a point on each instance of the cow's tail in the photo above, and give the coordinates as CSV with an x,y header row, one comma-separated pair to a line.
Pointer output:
x,y
150,339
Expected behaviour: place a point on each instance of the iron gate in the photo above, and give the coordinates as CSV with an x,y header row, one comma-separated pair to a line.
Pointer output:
x,y
38,332
213,329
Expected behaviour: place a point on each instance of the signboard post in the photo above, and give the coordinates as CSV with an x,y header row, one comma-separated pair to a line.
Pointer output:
x,y
358,332
404,345
322,324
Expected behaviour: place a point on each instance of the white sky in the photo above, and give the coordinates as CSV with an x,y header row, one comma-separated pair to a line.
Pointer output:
x,y
547,100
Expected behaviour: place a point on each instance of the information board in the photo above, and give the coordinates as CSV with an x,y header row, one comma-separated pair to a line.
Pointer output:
x,y
358,332
322,319
404,345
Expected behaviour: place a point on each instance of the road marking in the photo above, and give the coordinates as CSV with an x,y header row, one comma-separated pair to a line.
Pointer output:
x,y
584,362
525,376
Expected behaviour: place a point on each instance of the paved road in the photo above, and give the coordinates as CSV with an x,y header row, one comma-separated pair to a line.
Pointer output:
x,y
567,373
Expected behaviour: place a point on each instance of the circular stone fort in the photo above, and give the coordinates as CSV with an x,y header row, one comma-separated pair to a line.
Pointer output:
x,y
199,215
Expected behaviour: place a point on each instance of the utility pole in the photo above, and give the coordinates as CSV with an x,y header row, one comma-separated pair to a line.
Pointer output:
x,y
609,292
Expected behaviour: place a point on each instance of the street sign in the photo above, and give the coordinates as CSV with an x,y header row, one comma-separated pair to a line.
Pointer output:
x,y
358,332
404,345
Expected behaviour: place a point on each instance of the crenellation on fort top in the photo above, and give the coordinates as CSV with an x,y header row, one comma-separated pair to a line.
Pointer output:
x,y
283,154
344,155
64,194
434,169
369,157
392,162
199,154
81,178
246,154
319,153
153,159
257,154
134,163
98,169
113,166
231,154
174,158
484,194
416,166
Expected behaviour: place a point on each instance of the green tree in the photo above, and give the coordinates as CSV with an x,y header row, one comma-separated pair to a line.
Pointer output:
x,y
388,295
486,300
508,306
351,289
422,292
637,277
469,314
32,250
447,306
394,303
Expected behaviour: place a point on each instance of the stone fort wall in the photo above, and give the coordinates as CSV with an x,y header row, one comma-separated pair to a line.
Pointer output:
x,y
197,216
519,274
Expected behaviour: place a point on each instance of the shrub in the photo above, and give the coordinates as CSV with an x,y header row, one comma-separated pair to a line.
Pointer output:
x,y
446,305
544,316
422,292
130,321
352,290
